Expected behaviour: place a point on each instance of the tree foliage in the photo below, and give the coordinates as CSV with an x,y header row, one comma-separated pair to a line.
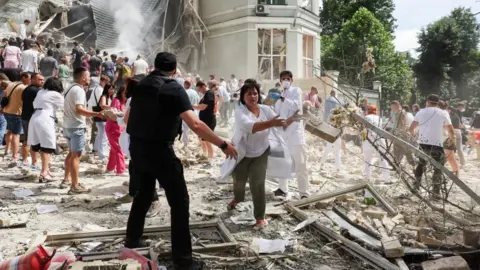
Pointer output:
x,y
448,54
335,13
346,52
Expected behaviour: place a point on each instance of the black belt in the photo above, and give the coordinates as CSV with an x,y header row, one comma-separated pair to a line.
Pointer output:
x,y
41,109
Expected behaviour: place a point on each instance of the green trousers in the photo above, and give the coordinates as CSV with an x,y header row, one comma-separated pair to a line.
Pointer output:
x,y
253,170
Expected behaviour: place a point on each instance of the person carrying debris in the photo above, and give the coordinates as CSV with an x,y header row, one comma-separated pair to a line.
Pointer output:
x,y
330,104
368,148
290,104
158,105
431,122
253,122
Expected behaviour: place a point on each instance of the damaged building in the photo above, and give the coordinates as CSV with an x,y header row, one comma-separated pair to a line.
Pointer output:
x,y
249,38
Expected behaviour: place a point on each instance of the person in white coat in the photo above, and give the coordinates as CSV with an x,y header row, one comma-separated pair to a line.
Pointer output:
x,y
289,105
331,104
253,122
368,149
41,129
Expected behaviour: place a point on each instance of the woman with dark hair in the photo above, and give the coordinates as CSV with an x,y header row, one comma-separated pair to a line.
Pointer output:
x,y
116,159
104,103
12,56
253,122
415,109
41,129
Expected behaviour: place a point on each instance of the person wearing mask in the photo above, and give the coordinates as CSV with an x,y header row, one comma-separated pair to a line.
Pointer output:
x,y
12,55
253,123
151,143
28,96
116,159
457,126
224,102
30,58
194,101
108,69
77,55
369,150
140,68
99,100
12,112
431,122
331,103
289,105
48,65
41,129
74,125
208,110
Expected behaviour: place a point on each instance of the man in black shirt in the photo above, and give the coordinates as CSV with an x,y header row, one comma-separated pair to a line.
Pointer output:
x,y
95,64
158,106
28,96
77,54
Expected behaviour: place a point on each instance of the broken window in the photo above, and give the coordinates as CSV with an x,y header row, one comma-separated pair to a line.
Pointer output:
x,y
308,68
272,48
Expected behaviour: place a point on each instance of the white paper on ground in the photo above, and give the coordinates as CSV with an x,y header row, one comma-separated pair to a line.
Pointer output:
x,y
243,220
117,195
305,223
270,246
23,193
45,209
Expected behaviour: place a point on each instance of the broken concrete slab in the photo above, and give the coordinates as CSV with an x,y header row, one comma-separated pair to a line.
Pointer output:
x,y
375,213
450,263
471,237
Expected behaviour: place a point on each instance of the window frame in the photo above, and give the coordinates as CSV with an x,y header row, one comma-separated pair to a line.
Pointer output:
x,y
271,55
305,59
272,2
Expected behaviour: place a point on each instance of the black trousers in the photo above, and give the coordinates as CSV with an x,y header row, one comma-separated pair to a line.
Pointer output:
x,y
148,167
437,153
134,183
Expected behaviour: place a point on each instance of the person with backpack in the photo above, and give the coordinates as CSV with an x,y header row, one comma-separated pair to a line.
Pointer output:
x,y
122,72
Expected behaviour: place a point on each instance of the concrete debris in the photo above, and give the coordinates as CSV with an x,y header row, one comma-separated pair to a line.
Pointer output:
x,y
450,263
129,264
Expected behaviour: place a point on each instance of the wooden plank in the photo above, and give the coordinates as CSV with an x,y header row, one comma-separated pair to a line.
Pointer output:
x,y
321,197
225,233
381,199
118,233
420,154
355,249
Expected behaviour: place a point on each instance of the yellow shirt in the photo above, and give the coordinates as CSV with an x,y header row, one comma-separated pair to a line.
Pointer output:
x,y
15,101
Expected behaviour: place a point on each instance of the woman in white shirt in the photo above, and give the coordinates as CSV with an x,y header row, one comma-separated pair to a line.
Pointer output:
x,y
41,129
253,121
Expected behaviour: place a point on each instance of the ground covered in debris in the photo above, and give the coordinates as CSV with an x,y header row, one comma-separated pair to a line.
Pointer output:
x,y
45,207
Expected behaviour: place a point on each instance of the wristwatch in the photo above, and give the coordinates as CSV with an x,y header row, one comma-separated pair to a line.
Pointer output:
x,y
223,146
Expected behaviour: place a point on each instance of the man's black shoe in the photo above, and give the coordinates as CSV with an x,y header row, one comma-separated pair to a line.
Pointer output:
x,y
279,193
136,244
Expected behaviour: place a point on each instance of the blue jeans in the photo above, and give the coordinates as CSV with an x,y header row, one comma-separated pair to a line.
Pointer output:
x,y
14,123
3,127
101,141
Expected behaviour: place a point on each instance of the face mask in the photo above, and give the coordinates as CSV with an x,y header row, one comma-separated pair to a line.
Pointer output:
x,y
286,84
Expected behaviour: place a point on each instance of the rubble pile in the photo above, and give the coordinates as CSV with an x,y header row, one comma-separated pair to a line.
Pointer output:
x,y
349,222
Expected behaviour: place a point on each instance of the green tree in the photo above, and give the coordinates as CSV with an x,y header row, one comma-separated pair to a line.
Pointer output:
x,y
335,13
346,52
448,53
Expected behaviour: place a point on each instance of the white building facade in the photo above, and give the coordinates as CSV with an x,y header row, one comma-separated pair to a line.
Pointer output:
x,y
260,38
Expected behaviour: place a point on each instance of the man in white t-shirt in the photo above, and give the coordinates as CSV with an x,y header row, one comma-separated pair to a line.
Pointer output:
x,y
140,68
30,60
74,124
431,123
224,103
22,29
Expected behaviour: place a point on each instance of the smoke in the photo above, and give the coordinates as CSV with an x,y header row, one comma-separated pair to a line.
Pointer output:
x,y
129,23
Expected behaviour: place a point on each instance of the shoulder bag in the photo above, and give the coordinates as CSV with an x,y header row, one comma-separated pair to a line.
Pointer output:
x,y
6,100
97,108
